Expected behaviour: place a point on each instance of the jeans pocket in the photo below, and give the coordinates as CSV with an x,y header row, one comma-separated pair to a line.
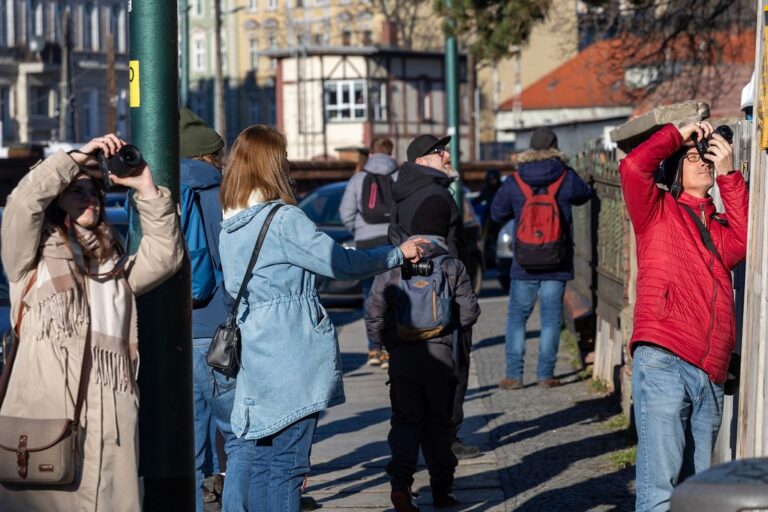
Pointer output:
x,y
651,357
221,383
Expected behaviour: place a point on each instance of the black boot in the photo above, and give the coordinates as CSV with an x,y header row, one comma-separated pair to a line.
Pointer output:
x,y
442,495
401,496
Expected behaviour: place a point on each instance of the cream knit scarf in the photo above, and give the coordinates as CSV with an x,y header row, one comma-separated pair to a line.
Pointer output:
x,y
67,304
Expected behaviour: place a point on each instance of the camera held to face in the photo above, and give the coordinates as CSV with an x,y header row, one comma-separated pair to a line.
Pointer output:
x,y
423,268
126,162
702,146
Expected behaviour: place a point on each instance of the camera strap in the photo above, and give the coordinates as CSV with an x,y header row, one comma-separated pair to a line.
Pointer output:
x,y
704,233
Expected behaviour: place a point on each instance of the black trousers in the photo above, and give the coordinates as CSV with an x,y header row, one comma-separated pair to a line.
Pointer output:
x,y
422,389
462,379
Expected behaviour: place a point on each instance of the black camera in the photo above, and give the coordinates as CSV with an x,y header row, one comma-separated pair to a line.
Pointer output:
x,y
423,268
125,162
702,146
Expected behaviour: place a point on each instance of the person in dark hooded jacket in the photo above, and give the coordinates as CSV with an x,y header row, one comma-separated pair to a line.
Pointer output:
x,y
200,149
422,375
539,167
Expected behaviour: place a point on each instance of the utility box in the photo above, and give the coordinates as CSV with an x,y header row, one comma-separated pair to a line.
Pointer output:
x,y
738,486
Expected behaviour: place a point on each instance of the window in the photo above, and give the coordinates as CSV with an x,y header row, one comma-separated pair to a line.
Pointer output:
x,y
345,100
271,5
253,52
87,36
318,39
367,37
425,100
377,96
197,8
38,17
200,56
117,27
6,127
273,64
253,5
272,41
3,38
346,38
39,101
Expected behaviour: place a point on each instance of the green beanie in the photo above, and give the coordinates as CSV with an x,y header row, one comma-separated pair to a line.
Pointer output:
x,y
195,137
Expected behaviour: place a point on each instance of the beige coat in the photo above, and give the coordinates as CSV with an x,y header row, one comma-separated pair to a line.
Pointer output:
x,y
46,372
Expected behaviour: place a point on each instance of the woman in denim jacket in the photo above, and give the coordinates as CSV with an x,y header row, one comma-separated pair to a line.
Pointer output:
x,y
291,368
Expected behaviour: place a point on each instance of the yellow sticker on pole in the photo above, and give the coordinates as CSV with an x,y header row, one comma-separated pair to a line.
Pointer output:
x,y
133,81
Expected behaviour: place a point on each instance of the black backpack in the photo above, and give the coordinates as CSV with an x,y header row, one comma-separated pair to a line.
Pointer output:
x,y
377,198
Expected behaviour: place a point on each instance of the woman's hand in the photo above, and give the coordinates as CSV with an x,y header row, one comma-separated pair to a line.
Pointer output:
x,y
109,144
702,129
142,182
413,249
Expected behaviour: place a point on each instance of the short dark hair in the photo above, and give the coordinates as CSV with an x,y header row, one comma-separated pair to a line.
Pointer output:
x,y
382,144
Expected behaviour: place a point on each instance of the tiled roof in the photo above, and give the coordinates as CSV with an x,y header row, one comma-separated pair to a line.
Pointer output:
x,y
592,78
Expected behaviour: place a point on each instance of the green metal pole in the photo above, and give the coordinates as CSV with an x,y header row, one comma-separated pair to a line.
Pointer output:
x,y
452,99
166,459
184,41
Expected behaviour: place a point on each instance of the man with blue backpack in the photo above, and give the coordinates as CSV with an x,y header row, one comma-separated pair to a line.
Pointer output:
x,y
539,196
201,151
418,313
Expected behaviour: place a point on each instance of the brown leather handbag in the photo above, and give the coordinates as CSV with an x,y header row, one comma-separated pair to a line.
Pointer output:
x,y
37,451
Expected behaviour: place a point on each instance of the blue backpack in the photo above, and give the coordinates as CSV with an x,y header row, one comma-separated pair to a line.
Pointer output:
x,y
424,304
205,276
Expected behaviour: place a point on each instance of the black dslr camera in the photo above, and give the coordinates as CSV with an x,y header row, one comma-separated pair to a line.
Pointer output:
x,y
703,145
125,162
423,268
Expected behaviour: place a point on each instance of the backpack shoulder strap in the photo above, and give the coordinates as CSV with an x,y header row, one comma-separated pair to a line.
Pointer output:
x,y
524,187
554,187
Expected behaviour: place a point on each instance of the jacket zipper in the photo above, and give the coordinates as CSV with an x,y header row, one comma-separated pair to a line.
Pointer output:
x,y
714,298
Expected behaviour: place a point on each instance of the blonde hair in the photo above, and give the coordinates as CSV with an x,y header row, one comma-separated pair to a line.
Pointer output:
x,y
256,163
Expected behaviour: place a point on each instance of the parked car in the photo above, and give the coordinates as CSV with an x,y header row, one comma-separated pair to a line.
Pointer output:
x,y
322,206
505,242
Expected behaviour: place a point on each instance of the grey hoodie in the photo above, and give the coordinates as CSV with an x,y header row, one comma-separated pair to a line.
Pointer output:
x,y
366,235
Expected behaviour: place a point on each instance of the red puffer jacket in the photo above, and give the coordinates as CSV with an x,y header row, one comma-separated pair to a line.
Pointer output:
x,y
684,293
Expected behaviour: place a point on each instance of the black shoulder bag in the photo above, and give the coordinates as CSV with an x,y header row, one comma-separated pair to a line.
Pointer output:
x,y
734,367
224,353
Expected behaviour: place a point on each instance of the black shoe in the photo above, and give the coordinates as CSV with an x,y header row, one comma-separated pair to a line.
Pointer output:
x,y
309,503
465,451
401,497
444,500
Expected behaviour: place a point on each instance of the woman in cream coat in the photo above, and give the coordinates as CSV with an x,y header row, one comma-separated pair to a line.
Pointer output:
x,y
81,304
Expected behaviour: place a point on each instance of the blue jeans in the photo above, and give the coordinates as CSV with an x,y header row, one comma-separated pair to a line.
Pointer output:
x,y
275,466
213,405
678,412
522,298
366,284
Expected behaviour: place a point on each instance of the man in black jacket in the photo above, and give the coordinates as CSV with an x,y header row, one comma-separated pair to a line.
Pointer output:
x,y
426,176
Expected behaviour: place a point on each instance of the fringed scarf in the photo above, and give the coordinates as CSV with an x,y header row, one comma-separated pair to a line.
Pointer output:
x,y
67,304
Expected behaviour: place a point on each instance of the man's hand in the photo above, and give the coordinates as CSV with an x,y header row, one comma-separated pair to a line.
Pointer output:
x,y
720,153
702,129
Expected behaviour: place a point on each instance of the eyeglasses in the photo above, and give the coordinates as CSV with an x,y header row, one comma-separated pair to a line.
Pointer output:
x,y
437,151
693,157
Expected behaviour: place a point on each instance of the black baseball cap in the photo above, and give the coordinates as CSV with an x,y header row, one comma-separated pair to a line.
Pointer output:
x,y
425,144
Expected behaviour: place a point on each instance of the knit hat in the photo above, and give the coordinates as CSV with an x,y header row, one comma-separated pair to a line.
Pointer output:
x,y
432,217
543,138
195,137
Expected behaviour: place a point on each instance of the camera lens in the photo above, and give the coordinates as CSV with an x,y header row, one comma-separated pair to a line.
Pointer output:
x,y
125,161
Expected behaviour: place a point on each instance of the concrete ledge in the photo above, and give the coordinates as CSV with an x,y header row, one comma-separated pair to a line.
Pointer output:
x,y
635,131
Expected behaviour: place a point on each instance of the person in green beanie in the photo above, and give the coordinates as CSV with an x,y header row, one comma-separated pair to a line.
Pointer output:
x,y
202,156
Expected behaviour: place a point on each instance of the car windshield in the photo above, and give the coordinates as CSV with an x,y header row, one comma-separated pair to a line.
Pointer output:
x,y
322,206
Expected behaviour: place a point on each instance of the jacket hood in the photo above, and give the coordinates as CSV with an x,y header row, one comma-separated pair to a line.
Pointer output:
x,y
197,174
535,155
542,172
437,246
414,177
379,163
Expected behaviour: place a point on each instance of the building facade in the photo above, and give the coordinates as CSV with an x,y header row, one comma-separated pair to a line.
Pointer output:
x,y
63,70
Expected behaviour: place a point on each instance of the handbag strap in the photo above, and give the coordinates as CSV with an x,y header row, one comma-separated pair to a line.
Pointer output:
x,y
252,262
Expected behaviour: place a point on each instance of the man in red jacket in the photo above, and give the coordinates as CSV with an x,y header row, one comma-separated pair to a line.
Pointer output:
x,y
684,325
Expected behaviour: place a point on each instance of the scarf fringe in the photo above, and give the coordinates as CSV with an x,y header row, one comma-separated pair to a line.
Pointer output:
x,y
113,370
62,314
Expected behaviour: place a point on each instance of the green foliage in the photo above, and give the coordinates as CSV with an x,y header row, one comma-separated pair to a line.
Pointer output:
x,y
625,458
492,27
618,422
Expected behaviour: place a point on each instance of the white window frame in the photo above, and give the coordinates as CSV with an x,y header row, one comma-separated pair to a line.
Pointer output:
x,y
200,54
197,8
271,5
335,112
253,5
38,18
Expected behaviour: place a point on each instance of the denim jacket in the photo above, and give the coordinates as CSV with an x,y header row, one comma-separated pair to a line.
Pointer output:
x,y
291,366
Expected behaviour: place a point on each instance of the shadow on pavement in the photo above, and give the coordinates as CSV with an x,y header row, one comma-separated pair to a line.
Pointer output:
x,y
353,423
